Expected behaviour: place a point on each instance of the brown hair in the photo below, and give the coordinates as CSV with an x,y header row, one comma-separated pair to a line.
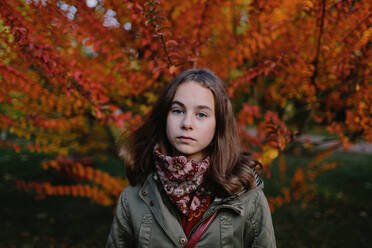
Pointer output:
x,y
230,169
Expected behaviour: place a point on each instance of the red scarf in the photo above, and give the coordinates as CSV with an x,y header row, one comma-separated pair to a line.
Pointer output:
x,y
182,181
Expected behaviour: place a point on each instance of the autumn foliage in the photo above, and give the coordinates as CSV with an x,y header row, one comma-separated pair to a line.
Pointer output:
x,y
75,74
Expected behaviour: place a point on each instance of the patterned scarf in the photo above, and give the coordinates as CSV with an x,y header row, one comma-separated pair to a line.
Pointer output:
x,y
182,181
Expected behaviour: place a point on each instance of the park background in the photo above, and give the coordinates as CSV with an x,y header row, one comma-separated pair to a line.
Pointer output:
x,y
74,75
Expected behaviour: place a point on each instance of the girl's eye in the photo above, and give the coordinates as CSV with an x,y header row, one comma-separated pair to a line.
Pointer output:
x,y
201,115
177,111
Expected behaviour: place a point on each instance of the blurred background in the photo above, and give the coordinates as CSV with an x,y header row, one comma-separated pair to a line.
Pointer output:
x,y
74,75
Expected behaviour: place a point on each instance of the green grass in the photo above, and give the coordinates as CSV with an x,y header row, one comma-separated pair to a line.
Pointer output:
x,y
338,216
57,221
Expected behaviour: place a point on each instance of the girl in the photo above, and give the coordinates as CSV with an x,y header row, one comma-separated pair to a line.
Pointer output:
x,y
191,186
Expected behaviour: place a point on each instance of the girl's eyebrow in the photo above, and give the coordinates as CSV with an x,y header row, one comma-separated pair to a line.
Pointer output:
x,y
198,107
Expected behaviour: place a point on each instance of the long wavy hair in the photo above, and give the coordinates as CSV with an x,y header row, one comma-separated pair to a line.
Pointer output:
x,y
231,169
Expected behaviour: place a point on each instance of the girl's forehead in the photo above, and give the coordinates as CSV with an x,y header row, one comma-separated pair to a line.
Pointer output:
x,y
193,93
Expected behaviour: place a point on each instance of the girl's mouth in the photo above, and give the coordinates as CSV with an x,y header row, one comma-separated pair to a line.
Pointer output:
x,y
185,138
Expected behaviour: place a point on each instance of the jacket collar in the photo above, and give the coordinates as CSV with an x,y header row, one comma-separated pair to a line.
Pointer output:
x,y
153,198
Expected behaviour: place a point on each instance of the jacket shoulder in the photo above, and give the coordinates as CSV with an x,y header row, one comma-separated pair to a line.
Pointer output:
x,y
130,191
259,217
253,203
251,196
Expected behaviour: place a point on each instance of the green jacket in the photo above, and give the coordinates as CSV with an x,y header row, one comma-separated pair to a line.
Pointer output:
x,y
145,218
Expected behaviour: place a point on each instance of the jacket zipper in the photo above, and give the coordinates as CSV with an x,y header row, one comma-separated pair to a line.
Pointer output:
x,y
208,214
201,221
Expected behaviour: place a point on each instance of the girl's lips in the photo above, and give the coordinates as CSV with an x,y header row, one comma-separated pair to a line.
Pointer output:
x,y
185,138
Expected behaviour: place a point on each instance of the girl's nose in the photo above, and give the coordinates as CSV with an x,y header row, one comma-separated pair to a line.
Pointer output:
x,y
187,122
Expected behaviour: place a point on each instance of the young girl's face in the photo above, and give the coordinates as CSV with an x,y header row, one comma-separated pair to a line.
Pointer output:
x,y
191,120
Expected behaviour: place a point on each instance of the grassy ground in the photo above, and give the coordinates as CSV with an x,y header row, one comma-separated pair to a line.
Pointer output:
x,y
339,216
54,222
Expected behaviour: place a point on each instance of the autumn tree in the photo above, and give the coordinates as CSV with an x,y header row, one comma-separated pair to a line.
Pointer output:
x,y
76,74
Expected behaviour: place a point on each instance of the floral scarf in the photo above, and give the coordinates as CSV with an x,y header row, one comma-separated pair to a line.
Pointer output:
x,y
182,181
